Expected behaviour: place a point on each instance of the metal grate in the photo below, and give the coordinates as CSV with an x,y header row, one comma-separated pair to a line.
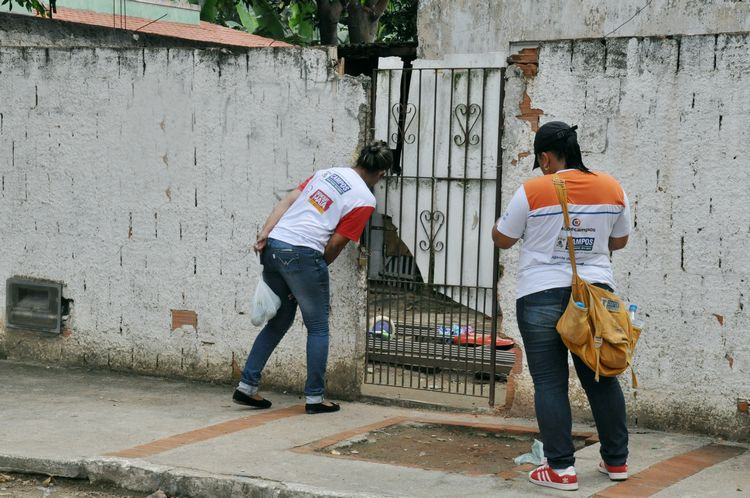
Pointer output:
x,y
432,266
33,305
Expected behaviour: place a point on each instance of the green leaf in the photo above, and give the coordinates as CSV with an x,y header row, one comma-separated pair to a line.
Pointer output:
x,y
36,5
247,18
269,21
210,11
302,19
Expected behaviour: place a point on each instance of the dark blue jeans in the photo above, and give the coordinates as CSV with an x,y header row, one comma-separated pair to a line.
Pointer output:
x,y
547,357
303,273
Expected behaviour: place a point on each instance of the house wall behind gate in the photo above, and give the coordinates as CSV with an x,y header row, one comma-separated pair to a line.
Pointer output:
x,y
470,27
669,119
139,177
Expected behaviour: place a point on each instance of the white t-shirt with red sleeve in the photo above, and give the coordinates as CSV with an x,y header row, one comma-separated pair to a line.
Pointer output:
x,y
332,200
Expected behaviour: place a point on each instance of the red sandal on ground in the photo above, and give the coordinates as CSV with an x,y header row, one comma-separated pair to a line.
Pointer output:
x,y
562,479
615,472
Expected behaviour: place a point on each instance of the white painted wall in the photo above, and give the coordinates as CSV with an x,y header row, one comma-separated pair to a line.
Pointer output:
x,y
138,177
470,27
668,118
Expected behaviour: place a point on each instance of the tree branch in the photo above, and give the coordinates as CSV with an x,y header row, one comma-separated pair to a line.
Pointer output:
x,y
329,14
363,20
378,9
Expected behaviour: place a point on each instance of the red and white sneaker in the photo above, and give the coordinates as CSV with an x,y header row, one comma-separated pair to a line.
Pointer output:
x,y
615,472
545,476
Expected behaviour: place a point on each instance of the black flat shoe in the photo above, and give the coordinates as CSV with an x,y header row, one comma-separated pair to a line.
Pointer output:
x,y
312,408
243,399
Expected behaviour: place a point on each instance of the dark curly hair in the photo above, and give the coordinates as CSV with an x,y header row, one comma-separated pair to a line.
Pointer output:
x,y
375,157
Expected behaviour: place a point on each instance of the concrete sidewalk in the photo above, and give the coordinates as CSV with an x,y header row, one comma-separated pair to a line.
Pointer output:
x,y
188,439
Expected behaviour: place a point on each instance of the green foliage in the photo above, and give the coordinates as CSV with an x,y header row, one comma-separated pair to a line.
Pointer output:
x,y
210,11
291,21
399,23
295,21
249,21
302,19
270,23
36,5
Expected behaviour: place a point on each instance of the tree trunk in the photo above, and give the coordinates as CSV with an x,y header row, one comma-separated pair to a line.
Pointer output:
x,y
363,20
329,13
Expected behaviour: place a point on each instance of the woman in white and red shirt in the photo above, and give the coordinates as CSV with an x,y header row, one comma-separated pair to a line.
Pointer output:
x,y
304,234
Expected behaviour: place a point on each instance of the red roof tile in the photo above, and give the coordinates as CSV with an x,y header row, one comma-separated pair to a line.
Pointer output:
x,y
205,31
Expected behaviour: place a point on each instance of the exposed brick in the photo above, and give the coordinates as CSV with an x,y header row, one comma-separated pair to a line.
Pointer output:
x,y
510,390
528,113
527,61
181,318
521,155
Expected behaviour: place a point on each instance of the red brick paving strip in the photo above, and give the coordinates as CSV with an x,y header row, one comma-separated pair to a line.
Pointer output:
x,y
342,436
210,432
663,474
590,437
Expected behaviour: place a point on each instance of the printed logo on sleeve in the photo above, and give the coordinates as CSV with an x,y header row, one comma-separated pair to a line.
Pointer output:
x,y
338,183
320,201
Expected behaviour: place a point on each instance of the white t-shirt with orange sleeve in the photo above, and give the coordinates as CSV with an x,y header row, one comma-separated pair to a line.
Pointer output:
x,y
598,209
332,200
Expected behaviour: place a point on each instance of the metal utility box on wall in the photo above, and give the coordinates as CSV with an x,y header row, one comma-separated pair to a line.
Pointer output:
x,y
33,305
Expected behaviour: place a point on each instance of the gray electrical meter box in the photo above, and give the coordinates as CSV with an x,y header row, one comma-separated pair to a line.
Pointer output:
x,y
33,305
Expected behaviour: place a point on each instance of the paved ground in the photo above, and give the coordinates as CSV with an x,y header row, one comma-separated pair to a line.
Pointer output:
x,y
36,486
190,440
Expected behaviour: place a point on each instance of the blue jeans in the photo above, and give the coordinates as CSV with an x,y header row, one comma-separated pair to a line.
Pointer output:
x,y
547,357
303,273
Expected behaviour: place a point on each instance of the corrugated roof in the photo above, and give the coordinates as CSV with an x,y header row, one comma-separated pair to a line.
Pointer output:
x,y
204,32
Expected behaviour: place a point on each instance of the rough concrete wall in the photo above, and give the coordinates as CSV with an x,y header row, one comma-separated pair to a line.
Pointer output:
x,y
139,177
470,27
668,118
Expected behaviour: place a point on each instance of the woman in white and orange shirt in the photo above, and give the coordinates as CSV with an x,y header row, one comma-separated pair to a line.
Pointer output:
x,y
600,222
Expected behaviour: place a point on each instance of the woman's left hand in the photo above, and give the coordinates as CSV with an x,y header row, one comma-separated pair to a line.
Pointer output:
x,y
260,243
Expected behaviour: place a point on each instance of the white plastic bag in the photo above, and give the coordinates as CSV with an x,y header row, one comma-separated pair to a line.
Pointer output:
x,y
536,456
265,302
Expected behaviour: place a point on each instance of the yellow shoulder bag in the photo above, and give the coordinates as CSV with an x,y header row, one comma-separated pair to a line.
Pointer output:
x,y
599,333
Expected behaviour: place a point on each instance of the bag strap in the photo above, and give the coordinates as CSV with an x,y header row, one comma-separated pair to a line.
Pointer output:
x,y
562,196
